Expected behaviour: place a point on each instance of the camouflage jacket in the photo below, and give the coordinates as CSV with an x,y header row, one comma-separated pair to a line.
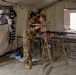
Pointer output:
x,y
30,33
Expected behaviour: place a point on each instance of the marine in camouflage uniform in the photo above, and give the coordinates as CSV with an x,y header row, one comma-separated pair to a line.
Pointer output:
x,y
29,38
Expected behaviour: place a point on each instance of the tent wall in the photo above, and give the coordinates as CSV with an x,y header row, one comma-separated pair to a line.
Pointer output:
x,y
55,14
21,22
3,39
20,26
22,14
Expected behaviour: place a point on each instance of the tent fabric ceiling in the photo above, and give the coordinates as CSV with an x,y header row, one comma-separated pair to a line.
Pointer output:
x,y
38,3
14,1
41,3
32,3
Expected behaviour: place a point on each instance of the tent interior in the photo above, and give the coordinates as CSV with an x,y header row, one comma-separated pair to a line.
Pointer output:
x,y
58,19
55,22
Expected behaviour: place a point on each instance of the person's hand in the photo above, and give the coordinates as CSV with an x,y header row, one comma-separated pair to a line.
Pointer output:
x,y
37,27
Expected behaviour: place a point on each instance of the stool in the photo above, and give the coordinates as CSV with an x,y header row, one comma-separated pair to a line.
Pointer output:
x,y
61,43
45,46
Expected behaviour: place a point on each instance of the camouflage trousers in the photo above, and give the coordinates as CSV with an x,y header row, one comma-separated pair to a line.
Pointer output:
x,y
28,48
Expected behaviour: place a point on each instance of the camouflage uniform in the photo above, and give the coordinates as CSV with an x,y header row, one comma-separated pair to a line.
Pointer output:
x,y
28,39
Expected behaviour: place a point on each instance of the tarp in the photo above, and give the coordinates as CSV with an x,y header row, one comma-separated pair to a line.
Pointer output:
x,y
4,37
